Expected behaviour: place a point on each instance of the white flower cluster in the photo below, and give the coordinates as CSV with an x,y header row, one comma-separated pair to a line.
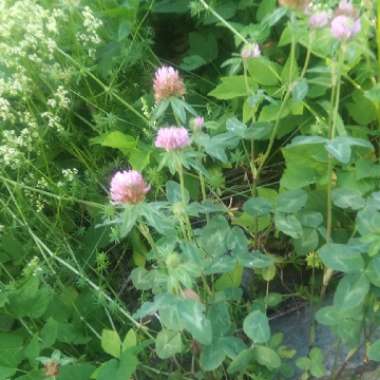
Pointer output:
x,y
31,78
69,176
89,37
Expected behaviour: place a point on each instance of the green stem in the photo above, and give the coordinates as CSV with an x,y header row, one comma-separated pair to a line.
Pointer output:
x,y
184,201
224,22
283,104
335,99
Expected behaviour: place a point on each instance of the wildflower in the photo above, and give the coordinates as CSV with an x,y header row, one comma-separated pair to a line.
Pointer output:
x,y
319,19
198,122
346,8
344,27
167,82
128,186
172,138
251,51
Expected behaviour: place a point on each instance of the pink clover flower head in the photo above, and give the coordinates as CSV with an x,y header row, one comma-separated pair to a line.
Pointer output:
x,y
346,8
345,27
172,138
251,51
167,82
128,186
319,19
198,122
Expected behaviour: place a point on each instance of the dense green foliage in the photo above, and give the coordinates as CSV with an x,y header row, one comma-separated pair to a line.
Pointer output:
x,y
275,202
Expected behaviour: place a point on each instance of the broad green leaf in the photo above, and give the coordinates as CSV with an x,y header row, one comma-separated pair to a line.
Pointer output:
x,y
328,316
289,225
368,222
351,291
212,356
232,346
373,271
263,71
256,326
195,322
267,357
128,219
256,260
130,340
291,201
6,372
300,90
341,257
374,351
340,147
241,362
168,343
76,371
220,319
111,343
317,368
230,280
257,206
347,198
117,140
11,350
232,87
178,110
373,94
141,278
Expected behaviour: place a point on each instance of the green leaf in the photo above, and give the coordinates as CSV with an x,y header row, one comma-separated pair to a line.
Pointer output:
x,y
230,280
168,343
317,368
328,316
373,94
220,319
212,356
291,201
257,206
368,222
118,369
173,192
263,71
232,87
267,357
340,147
256,260
11,350
128,219
241,362
300,90
374,351
347,198
373,271
192,62
6,372
178,109
130,340
111,343
203,44
289,225
351,291
256,326
195,322
76,371
141,278
117,140
341,257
